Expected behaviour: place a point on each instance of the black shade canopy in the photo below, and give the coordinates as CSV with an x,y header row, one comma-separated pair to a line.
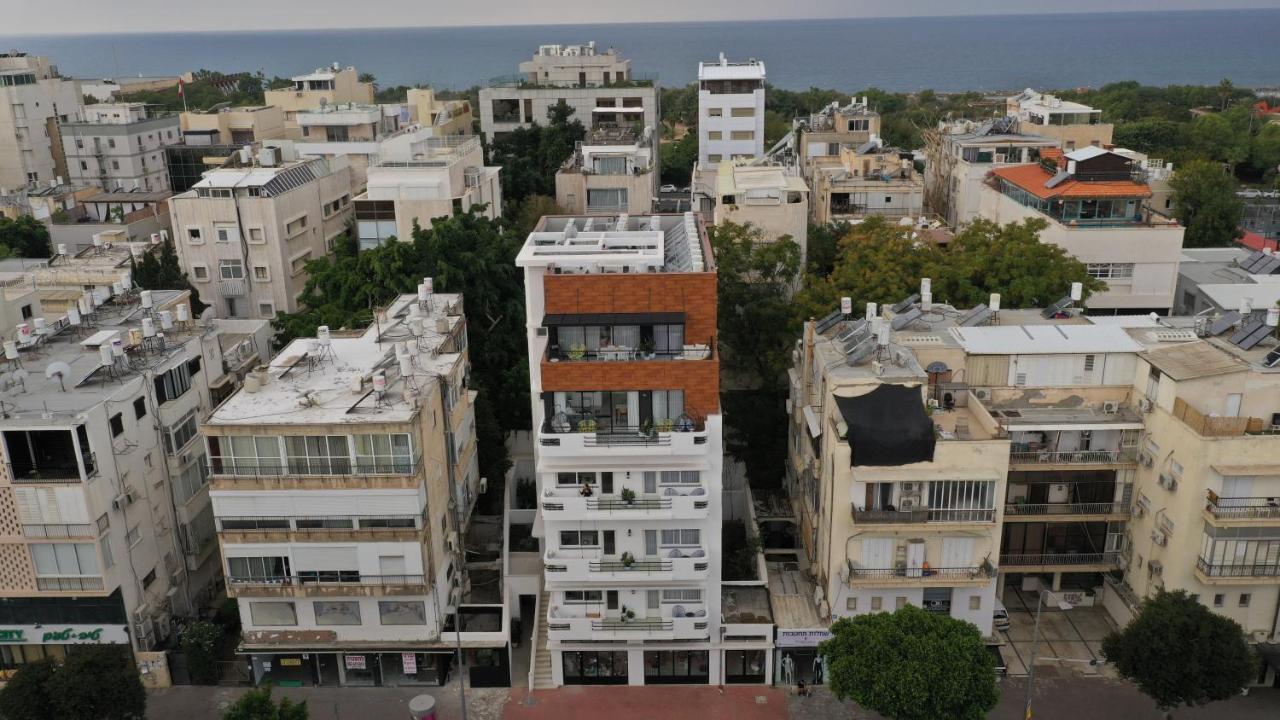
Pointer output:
x,y
888,426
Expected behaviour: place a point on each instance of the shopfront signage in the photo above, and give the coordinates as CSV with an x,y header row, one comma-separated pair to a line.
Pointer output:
x,y
410,662
63,634
801,638
290,662
355,662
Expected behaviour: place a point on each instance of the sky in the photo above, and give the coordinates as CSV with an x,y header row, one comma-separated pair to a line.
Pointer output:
x,y
117,16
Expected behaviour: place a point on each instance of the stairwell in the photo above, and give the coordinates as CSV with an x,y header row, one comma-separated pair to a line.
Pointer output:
x,y
541,660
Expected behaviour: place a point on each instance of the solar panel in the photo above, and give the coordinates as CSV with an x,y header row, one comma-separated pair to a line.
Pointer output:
x,y
964,320
1255,337
856,338
1224,323
906,318
904,304
1246,331
1253,258
827,322
862,351
1058,179
1267,267
978,318
1056,308
1273,359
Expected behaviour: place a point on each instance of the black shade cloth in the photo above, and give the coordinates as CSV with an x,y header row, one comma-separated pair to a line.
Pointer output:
x,y
888,426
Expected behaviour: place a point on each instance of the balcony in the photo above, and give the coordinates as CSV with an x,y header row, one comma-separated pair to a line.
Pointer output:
x,y
233,287
59,530
51,473
570,504
328,527
1066,561
69,584
1027,512
566,624
232,472
687,564
1236,573
922,575
1241,510
295,586
924,515
1121,456
563,442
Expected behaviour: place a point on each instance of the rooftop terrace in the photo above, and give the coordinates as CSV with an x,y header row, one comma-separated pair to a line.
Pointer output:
x,y
618,244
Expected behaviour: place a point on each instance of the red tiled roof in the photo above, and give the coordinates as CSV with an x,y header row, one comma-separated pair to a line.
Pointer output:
x,y
1051,153
1033,177
1254,241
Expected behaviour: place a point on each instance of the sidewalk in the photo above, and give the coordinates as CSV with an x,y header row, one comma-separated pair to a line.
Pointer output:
x,y
667,702
190,702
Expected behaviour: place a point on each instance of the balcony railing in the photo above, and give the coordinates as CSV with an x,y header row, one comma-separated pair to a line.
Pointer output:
x,y
319,523
1238,569
225,465
1064,558
58,530
1073,457
70,472
923,573
640,625
637,566
1038,509
68,583
926,515
1242,508
640,503
296,581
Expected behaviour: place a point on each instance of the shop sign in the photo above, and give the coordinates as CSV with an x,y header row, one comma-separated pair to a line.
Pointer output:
x,y
410,663
63,634
290,662
801,638
355,662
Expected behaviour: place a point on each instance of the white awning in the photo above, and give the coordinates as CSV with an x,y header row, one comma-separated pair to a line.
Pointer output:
x,y
811,417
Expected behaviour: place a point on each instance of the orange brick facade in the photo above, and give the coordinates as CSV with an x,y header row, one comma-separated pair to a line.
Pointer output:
x,y
693,294
700,379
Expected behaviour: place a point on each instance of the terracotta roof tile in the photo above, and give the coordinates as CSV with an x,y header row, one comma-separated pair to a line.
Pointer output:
x,y
1033,177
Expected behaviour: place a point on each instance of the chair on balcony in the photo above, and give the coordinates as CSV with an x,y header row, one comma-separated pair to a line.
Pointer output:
x,y
677,611
698,553
699,491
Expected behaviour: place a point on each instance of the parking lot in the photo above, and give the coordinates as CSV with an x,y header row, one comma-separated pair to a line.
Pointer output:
x,y
1069,639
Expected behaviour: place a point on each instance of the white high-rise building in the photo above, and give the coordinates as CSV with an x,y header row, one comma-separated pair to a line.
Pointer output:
x,y
730,111
33,100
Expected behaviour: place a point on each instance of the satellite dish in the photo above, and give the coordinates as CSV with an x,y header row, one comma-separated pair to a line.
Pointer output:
x,y
59,370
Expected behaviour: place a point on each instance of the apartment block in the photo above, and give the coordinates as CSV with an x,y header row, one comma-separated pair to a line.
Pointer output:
x,y
628,449
1096,205
245,232
824,134
333,85
610,172
730,111
107,526
1074,124
418,176
869,179
960,154
34,99
448,117
343,475
241,125
120,146
770,197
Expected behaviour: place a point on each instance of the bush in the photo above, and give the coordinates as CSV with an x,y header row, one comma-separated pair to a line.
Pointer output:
x,y
202,643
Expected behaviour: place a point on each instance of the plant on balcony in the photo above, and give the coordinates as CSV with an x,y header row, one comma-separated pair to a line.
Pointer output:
x,y
628,559
587,425
626,614
1178,652
666,425
577,352
646,347
628,496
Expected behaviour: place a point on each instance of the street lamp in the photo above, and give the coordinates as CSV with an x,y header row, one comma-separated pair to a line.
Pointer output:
x,y
1035,647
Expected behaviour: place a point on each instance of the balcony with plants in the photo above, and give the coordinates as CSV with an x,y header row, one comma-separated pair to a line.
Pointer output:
x,y
647,495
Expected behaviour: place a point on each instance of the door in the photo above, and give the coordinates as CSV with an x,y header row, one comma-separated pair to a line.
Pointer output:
x,y
877,553
650,482
957,552
651,543
1233,404
609,548
611,600
606,483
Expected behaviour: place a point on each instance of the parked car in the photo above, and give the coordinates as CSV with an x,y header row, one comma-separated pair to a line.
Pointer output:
x,y
1000,618
685,190
668,189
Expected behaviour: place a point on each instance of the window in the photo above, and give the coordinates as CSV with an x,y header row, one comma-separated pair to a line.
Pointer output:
x,y
72,559
117,425
273,613
266,310
1244,599
384,453
681,477
606,199
851,604
115,164
899,602
715,112
742,135
876,602
111,142
173,383
84,165
149,578
200,272
133,536
1089,362
591,667
337,612
180,433
569,479
139,408
714,157
676,666
1110,271
1219,599
255,236
674,596
975,602
257,568
231,269
295,226
191,480
223,233
193,236
318,454
715,135
400,612
685,538
260,272
579,538
299,263
583,597
79,143
743,112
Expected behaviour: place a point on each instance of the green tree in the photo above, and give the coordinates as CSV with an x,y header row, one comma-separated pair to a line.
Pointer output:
x,y
26,695
1205,202
1179,652
201,643
1264,153
257,704
25,237
822,246
1216,137
911,665
531,156
679,157
164,272
100,682
531,210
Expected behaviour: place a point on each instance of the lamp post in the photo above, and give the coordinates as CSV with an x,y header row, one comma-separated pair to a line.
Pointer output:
x,y
1035,648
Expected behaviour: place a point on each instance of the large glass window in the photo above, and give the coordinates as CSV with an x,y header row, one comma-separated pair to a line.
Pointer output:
x,y
246,455
257,568
401,612
606,200
384,453
337,612
189,482
606,667
273,613
579,538
744,666
682,538
182,432
67,559
318,454
676,666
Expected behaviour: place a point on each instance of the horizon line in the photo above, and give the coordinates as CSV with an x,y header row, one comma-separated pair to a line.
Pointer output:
x,y
238,31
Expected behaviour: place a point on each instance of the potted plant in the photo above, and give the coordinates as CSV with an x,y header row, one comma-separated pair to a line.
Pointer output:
x,y
646,347
587,425
628,496
577,352
666,425
628,559
626,614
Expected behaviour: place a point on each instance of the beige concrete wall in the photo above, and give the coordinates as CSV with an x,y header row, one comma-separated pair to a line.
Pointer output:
x,y
572,187
1075,136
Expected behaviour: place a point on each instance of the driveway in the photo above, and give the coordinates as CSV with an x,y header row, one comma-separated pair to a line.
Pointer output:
x,y
1069,639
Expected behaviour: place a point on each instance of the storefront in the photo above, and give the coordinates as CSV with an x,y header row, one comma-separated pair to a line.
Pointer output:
x,y
745,666
352,669
797,659
595,667
677,667
22,644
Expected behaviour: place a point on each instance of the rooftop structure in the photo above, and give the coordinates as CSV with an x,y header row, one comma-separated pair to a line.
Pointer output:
x,y
771,197
730,111
610,172
334,85
620,244
960,154
1077,125
575,66
864,180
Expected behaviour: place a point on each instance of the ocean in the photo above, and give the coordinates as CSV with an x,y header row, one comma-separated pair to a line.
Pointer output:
x,y
899,54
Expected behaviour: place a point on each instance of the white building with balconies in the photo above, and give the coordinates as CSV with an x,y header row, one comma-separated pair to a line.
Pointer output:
x,y
730,111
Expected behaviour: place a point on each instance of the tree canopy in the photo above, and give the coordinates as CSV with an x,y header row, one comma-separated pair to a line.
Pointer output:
x,y
24,237
208,88
1205,202
531,156
96,681
678,158
164,272
1180,652
257,704
911,665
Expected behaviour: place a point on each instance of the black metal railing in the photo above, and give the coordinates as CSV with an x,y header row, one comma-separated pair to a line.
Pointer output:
x,y
1238,569
1261,508
1037,509
926,515
638,625
69,583
223,465
305,581
640,503
923,573
1073,457
636,566
1063,558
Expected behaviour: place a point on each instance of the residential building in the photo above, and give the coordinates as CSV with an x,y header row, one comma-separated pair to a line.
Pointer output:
x,y
332,85
111,218
599,87
869,179
624,381
610,172
120,146
245,232
1075,124
958,156
108,532
824,134
419,176
1096,209
770,197
106,90
448,117
730,111
351,131
342,477
47,199
34,99
1221,280
242,125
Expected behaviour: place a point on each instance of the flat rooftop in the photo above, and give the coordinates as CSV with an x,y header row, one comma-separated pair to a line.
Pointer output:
x,y
747,604
312,382
725,70
619,244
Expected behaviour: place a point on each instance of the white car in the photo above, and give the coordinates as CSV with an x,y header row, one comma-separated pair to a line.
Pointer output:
x,y
668,189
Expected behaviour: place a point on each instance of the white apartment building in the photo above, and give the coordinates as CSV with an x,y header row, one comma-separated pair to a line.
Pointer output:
x,y
417,176
333,85
1096,206
245,232
610,172
343,475
107,526
771,198
1075,124
628,448
120,146
730,111
576,65
34,99
959,155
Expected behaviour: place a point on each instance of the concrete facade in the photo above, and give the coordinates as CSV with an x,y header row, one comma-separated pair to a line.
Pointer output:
x,y
120,147
34,99
730,111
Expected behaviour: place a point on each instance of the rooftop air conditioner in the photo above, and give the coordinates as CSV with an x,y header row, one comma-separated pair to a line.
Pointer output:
x,y
1110,407
1158,537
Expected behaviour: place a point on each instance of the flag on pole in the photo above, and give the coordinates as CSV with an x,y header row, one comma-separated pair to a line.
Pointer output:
x,y
182,93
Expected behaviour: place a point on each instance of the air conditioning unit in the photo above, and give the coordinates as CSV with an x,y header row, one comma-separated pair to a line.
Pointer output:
x,y
911,488
1001,158
981,393
1145,405
142,613
1155,567
1146,460
122,500
1168,482
909,503
1110,407
1158,537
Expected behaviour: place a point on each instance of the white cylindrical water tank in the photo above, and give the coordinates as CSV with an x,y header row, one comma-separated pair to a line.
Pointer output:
x,y
1077,291
322,334
871,311
1273,317
147,301
10,350
166,320
431,286
117,288
926,285
62,248
117,347
24,331
97,240
148,327
73,316
379,383
423,293
126,280
39,325
882,335
926,301
184,312
994,302
846,306
406,365
104,354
